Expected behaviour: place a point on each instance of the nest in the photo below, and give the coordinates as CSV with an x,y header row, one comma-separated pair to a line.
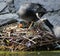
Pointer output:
x,y
29,39
36,37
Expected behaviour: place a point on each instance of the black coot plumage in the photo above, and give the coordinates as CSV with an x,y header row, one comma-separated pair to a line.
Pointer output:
x,y
28,11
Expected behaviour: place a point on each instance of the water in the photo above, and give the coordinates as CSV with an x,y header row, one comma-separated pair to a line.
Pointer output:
x,y
41,53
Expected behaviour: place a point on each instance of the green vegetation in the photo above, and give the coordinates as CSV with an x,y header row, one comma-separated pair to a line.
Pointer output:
x,y
35,53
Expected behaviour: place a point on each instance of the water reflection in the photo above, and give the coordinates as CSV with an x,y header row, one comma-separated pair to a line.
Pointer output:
x,y
22,54
32,54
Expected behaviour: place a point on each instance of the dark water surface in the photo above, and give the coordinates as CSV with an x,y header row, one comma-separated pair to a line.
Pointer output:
x,y
41,53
